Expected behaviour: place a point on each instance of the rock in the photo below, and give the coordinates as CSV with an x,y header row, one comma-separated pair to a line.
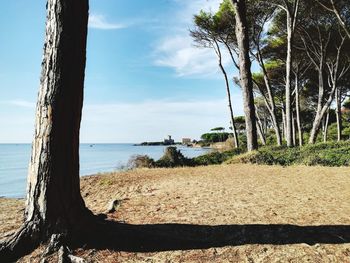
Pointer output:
x,y
75,259
113,206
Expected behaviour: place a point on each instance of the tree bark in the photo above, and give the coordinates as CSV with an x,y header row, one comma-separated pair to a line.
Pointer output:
x,y
294,130
325,128
318,118
297,110
234,130
246,80
261,133
54,203
284,124
338,114
289,132
340,19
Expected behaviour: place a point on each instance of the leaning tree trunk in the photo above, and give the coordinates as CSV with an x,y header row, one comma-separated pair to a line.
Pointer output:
x,y
54,204
259,126
338,114
271,105
325,128
321,110
228,92
246,79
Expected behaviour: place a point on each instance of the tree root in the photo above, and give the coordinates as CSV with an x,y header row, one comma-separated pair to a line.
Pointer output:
x,y
21,243
32,234
58,245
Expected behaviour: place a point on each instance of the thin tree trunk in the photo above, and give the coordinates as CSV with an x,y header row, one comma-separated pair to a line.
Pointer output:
x,y
294,130
260,129
271,105
325,128
297,109
54,204
234,130
289,132
340,19
246,79
338,114
320,111
284,124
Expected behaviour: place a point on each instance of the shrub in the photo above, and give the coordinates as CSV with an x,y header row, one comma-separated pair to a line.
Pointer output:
x,y
140,161
325,154
172,158
215,157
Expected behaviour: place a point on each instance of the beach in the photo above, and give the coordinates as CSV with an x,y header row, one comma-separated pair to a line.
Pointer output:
x,y
232,212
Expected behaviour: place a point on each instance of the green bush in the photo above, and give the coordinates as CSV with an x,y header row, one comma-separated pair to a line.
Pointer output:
x,y
172,158
215,137
324,154
215,157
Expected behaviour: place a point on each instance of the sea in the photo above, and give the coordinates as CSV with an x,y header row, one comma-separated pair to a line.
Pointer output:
x,y
94,158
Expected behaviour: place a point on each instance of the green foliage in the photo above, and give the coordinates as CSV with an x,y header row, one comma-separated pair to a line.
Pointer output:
x,y
218,129
215,157
215,137
172,158
346,104
324,154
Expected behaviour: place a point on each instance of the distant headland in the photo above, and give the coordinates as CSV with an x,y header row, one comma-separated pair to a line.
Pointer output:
x,y
166,142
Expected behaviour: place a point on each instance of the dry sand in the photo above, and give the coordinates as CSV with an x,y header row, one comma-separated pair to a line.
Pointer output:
x,y
240,213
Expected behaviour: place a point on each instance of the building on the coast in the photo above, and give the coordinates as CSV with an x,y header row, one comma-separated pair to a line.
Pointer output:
x,y
186,141
169,141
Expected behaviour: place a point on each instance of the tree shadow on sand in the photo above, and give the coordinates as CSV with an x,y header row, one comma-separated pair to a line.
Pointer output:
x,y
168,237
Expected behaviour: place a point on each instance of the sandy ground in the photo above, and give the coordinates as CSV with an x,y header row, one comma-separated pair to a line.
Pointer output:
x,y
241,213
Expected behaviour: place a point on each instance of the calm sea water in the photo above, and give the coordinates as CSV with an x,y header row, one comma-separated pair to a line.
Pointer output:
x,y
96,158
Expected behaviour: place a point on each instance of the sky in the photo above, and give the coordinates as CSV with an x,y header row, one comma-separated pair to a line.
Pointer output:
x,y
145,79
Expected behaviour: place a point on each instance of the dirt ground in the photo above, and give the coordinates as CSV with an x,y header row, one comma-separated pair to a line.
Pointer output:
x,y
233,213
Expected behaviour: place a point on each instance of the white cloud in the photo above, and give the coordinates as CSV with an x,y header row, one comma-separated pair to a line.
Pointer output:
x,y
179,54
177,51
152,120
20,103
100,22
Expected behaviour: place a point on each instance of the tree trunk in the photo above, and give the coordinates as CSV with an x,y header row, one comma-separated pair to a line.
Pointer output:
x,y
289,132
297,109
246,80
325,128
54,203
340,19
284,124
271,105
338,114
261,133
294,130
321,110
234,130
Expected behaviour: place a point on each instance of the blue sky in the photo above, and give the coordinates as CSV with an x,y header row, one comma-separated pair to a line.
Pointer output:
x,y
144,77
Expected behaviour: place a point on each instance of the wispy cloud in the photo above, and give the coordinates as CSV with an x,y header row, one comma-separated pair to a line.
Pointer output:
x,y
20,103
100,22
177,50
179,53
